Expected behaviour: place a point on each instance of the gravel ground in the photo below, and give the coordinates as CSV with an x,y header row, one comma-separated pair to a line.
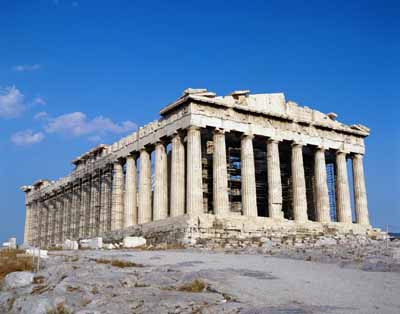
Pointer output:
x,y
245,282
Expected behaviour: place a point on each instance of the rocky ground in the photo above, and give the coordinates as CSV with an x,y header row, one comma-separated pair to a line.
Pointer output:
x,y
335,279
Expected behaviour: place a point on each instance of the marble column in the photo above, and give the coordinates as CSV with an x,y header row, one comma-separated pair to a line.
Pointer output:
x,y
95,205
343,206
144,210
247,169
177,176
220,175
106,191
130,207
194,188
298,184
117,205
321,187
160,203
27,236
360,193
274,179
85,209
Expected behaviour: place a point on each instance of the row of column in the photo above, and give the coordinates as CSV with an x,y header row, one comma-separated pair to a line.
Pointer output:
x,y
111,202
194,190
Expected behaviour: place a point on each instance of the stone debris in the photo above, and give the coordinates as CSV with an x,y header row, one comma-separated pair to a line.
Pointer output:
x,y
246,280
132,242
37,252
18,279
70,245
94,243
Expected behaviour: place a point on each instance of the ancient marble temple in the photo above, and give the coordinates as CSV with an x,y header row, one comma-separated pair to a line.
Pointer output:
x,y
247,155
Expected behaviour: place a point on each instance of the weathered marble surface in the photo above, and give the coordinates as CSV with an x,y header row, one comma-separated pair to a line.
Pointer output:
x,y
242,281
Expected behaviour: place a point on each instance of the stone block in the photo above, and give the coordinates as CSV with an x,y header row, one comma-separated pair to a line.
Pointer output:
x,y
132,242
94,243
37,252
70,245
18,279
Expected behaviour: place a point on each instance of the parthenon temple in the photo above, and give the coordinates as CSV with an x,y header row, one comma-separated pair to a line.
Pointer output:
x,y
253,157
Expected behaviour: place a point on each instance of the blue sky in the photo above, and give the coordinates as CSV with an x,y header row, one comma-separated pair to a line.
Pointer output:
x,y
76,73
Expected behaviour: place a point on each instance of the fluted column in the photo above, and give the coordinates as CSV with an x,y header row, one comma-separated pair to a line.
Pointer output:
x,y
117,207
321,187
160,183
177,176
298,184
360,193
27,227
343,206
105,211
130,208
247,169
274,179
144,210
194,189
220,174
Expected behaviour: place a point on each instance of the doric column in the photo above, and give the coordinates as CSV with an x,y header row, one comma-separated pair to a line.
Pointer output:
x,y
298,184
343,206
360,193
321,186
105,211
60,218
144,210
68,213
27,227
220,174
53,223
95,205
130,208
85,209
247,168
117,207
177,176
274,179
160,183
76,204
194,188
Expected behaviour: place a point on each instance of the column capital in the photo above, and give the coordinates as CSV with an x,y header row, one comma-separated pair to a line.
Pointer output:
x,y
160,142
247,135
357,156
298,143
342,151
274,139
321,147
193,128
219,131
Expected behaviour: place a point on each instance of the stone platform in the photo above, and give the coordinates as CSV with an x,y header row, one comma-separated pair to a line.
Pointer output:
x,y
237,231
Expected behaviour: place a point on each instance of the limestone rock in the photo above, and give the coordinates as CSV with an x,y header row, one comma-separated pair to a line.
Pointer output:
x,y
37,252
325,242
108,246
94,243
70,245
131,242
18,279
33,305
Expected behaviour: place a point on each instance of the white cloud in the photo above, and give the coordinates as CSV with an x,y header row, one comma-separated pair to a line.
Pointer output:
x,y
39,101
11,102
77,124
26,138
41,115
26,67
